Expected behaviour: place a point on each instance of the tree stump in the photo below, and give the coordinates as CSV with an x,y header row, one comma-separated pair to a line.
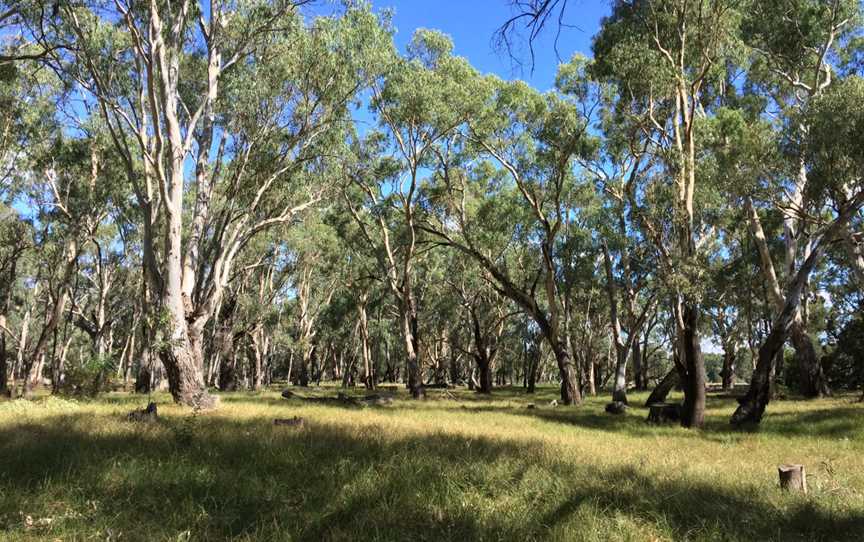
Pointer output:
x,y
148,414
616,407
793,478
296,421
661,413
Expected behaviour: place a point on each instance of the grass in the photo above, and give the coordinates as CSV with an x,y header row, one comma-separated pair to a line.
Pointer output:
x,y
455,467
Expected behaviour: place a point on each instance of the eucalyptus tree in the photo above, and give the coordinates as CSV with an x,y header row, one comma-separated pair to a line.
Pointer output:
x,y
726,323
364,281
64,186
668,60
636,317
28,98
242,339
316,262
235,107
795,60
486,314
834,160
617,170
13,243
442,306
507,190
420,101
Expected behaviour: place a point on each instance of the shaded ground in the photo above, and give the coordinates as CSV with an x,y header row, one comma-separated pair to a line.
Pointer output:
x,y
456,467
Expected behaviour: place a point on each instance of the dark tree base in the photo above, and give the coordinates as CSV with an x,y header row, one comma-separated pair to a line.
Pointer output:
x,y
662,413
616,407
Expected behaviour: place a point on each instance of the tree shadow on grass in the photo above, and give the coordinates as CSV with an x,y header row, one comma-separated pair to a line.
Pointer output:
x,y
219,478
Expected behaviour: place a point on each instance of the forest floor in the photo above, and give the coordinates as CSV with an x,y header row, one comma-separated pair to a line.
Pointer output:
x,y
457,466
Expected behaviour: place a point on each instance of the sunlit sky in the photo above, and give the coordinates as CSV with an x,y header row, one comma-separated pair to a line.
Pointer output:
x,y
472,24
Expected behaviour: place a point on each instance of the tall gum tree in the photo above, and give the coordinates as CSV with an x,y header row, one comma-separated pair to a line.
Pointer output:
x,y
421,100
834,159
795,58
513,170
666,60
232,107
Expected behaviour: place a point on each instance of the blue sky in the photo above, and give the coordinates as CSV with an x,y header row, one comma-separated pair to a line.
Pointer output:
x,y
472,23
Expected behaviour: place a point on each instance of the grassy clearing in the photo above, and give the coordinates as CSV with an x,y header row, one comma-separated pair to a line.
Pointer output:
x,y
456,467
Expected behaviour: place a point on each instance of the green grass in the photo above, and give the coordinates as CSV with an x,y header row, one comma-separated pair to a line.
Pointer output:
x,y
455,467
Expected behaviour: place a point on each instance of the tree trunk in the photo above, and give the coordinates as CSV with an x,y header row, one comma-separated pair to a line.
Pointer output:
x,y
483,353
303,374
728,372
856,255
33,375
693,409
534,357
645,363
3,364
663,388
484,367
368,376
752,405
185,382
7,283
793,478
58,375
144,378
637,364
570,393
228,364
182,356
592,385
414,379
811,376
33,369
619,389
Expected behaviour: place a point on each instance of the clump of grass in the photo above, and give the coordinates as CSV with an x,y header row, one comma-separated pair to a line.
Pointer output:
x,y
455,467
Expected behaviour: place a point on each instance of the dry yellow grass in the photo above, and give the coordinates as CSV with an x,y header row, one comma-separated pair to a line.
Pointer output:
x,y
457,466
